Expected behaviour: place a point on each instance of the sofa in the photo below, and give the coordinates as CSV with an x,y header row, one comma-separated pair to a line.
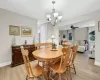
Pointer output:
x,y
81,46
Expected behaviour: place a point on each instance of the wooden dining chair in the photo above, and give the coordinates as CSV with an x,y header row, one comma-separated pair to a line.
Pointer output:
x,y
32,71
66,44
48,44
39,45
69,61
60,67
74,52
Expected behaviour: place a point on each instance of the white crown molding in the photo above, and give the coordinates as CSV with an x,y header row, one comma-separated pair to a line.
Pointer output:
x,y
5,64
97,63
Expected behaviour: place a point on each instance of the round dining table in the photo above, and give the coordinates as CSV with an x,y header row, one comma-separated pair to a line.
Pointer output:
x,y
47,55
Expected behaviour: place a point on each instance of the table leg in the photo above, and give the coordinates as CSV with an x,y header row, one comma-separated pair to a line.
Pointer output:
x,y
47,71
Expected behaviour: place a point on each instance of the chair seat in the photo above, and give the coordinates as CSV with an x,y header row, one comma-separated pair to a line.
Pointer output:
x,y
37,70
55,68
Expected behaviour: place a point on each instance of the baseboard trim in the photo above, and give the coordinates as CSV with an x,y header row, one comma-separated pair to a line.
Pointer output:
x,y
5,64
97,63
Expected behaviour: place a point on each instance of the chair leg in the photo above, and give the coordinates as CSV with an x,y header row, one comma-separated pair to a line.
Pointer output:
x,y
28,78
38,78
70,73
38,61
43,64
50,74
74,68
66,76
59,76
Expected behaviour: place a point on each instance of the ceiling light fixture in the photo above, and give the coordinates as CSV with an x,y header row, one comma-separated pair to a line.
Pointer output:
x,y
54,17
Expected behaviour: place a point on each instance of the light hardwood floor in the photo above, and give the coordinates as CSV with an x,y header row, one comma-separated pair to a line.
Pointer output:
x,y
86,70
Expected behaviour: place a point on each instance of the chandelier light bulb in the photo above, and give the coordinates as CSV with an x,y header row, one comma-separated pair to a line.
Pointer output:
x,y
49,19
59,17
55,14
56,21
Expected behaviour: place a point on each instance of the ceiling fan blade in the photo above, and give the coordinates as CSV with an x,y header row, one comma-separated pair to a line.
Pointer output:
x,y
76,27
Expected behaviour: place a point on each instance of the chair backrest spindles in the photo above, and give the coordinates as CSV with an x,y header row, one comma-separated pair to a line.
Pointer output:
x,y
74,51
27,62
39,45
65,57
48,44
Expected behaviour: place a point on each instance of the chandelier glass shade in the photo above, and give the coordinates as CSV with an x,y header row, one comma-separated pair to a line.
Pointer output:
x,y
54,17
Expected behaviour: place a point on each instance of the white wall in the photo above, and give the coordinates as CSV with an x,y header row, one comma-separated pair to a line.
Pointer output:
x,y
49,31
97,43
9,18
56,33
81,34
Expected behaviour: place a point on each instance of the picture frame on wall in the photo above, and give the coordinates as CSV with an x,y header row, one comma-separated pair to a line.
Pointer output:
x,y
26,31
99,26
14,30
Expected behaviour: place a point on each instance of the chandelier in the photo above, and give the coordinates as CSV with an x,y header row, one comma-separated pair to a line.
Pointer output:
x,y
54,17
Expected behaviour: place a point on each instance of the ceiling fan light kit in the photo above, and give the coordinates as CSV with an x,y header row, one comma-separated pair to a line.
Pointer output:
x,y
72,27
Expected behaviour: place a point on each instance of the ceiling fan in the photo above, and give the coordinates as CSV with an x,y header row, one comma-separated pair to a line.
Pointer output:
x,y
72,27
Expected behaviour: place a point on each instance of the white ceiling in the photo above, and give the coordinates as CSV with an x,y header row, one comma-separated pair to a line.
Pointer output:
x,y
39,8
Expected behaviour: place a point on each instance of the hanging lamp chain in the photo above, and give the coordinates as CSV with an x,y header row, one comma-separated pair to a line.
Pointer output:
x,y
53,2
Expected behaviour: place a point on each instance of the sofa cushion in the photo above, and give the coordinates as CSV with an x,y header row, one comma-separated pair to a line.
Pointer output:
x,y
82,43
